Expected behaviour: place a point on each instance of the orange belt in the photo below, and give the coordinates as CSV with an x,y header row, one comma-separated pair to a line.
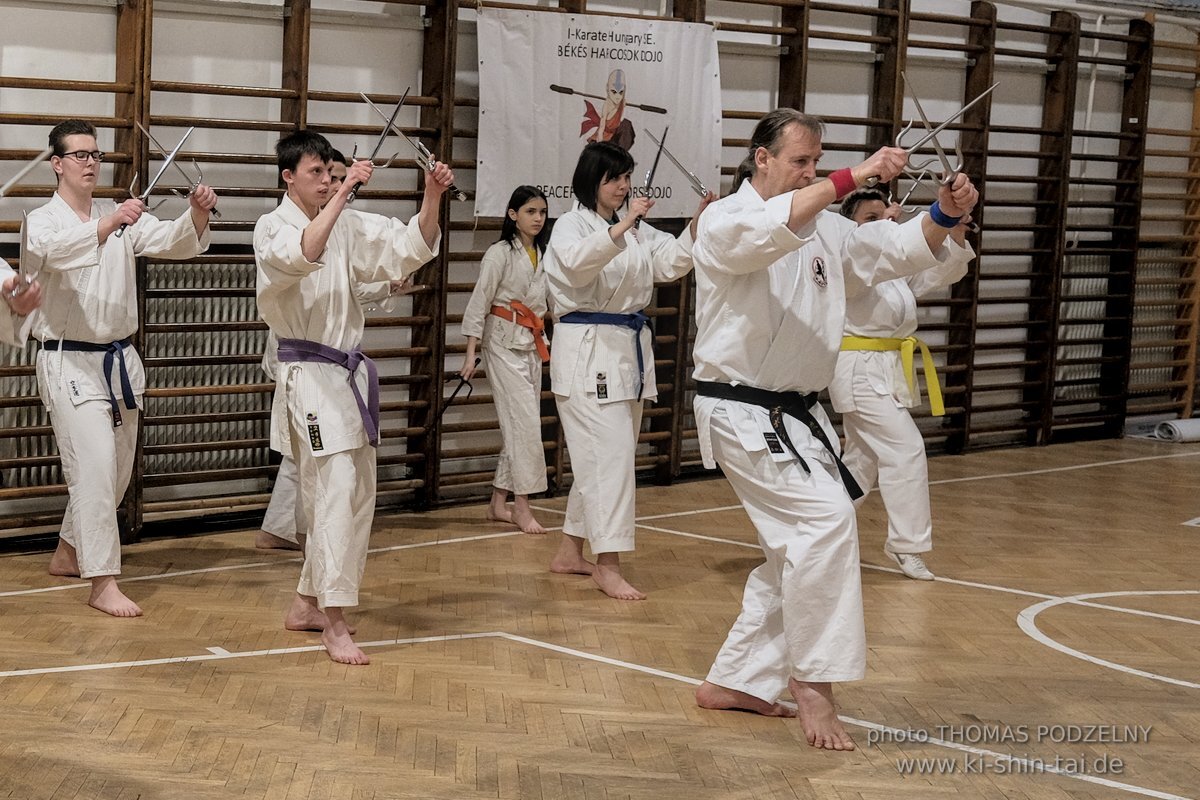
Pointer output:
x,y
522,316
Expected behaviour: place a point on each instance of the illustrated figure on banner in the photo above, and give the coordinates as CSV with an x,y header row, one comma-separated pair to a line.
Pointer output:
x,y
609,123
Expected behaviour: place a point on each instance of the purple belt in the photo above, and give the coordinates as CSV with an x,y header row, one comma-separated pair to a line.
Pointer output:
x,y
304,350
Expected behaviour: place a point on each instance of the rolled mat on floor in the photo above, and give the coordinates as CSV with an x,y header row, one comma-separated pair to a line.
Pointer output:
x,y
1179,430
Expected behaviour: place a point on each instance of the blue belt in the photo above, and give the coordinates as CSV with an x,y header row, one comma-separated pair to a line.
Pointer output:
x,y
635,322
111,350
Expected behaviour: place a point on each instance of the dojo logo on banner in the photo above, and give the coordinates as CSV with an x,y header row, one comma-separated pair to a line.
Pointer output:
x,y
596,79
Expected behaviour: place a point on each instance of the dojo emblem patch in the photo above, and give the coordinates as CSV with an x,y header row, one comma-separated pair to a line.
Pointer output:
x,y
773,444
601,386
818,271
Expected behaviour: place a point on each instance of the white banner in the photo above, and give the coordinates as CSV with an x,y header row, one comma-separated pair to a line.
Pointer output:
x,y
549,83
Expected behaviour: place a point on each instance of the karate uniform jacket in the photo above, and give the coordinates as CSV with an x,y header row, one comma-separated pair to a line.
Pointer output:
x,y
771,304
889,310
505,274
89,290
587,271
318,301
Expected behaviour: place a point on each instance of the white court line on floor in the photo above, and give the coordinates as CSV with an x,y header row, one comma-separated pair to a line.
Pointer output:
x,y
259,564
1028,766
1081,601
1027,620
1070,468
715,509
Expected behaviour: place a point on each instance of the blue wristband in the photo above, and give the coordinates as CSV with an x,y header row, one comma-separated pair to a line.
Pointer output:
x,y
940,218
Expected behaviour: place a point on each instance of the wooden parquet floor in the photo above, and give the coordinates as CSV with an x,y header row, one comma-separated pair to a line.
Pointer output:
x,y
492,678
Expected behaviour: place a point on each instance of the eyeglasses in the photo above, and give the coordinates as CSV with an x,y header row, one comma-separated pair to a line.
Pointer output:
x,y
82,156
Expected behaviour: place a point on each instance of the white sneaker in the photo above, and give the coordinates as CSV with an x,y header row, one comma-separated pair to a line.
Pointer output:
x,y
912,565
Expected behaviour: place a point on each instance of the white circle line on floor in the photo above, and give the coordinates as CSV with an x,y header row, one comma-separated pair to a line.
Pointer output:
x,y
1027,621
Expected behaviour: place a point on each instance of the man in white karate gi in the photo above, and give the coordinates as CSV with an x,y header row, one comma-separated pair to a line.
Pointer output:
x,y
89,375
773,270
310,257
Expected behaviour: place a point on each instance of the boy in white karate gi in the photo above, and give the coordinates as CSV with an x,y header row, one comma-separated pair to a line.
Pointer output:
x,y
311,257
89,375
283,526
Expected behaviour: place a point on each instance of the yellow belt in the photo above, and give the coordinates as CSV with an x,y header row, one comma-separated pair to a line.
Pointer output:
x,y
906,347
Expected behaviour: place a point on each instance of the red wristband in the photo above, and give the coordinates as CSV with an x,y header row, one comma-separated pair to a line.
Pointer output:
x,y
843,182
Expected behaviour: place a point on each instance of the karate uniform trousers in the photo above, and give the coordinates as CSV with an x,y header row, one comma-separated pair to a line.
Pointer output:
x,y
315,416
871,392
594,369
514,368
89,294
284,516
770,314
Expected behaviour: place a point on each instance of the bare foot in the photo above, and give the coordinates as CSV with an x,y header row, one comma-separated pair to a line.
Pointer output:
x,y
818,715
269,541
303,615
522,517
107,597
569,559
609,579
498,507
501,514
337,641
720,698
64,562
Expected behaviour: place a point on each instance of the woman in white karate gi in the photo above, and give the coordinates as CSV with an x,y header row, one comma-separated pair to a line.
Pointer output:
x,y
873,391
506,311
601,267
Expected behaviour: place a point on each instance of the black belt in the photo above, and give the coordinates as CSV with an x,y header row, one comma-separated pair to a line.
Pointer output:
x,y
795,405
112,350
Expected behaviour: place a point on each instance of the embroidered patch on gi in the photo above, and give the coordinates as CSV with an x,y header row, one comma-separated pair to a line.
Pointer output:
x,y
773,442
818,271
311,417
74,388
314,437
601,386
